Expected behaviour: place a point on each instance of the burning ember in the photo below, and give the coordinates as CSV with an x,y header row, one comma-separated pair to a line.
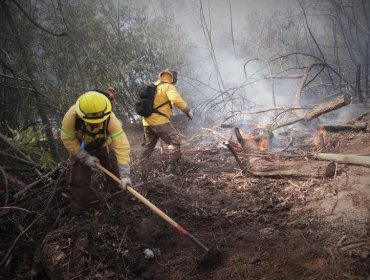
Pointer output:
x,y
321,129
319,140
262,144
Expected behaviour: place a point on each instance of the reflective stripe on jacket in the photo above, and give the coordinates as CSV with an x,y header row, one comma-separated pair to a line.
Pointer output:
x,y
165,92
115,136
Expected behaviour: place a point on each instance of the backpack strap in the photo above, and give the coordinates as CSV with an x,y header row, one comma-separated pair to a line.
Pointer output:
x,y
79,124
163,104
97,142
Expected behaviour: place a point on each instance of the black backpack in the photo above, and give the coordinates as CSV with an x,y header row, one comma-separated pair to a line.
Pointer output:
x,y
144,107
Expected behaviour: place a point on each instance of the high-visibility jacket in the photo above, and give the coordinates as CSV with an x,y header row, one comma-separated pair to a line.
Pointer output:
x,y
165,92
113,134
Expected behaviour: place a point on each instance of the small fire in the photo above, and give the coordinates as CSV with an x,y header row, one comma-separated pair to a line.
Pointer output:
x,y
319,140
262,144
321,129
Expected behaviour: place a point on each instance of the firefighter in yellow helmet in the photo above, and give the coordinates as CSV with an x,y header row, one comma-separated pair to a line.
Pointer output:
x,y
92,133
158,125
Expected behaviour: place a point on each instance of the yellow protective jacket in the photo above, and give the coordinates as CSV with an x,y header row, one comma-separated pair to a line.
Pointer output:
x,y
115,136
165,92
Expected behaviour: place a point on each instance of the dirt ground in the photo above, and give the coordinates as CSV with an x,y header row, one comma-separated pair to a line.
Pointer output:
x,y
303,227
284,228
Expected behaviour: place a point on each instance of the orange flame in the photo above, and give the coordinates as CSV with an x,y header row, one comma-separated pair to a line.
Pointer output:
x,y
319,140
321,129
262,144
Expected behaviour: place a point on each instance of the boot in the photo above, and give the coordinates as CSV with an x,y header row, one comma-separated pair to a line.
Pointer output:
x,y
172,168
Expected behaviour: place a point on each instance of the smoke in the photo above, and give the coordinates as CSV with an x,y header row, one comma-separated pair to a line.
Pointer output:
x,y
217,83
228,78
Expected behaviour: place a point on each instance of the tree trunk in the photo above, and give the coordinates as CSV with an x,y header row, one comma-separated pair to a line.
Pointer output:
x,y
71,45
298,93
358,84
366,74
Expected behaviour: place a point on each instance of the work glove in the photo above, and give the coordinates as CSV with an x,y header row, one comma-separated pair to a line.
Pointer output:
x,y
124,173
86,158
190,114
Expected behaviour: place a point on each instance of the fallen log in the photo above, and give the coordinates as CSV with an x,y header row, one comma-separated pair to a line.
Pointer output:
x,y
296,169
344,127
329,106
321,109
345,158
356,119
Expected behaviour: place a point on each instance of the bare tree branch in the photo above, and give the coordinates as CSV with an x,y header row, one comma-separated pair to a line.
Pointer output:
x,y
63,34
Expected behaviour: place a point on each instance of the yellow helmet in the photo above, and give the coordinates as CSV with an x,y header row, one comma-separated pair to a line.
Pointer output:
x,y
93,107
168,76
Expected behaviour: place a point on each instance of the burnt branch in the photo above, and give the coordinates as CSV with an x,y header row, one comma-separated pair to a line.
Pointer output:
x,y
232,150
48,203
6,185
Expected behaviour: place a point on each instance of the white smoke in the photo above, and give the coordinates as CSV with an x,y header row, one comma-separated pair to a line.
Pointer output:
x,y
217,97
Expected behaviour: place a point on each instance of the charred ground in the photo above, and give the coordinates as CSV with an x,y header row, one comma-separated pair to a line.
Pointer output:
x,y
266,228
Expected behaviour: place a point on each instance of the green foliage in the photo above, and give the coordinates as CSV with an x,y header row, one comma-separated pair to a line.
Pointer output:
x,y
270,127
29,141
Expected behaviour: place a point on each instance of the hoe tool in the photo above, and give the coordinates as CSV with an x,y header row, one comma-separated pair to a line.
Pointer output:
x,y
212,255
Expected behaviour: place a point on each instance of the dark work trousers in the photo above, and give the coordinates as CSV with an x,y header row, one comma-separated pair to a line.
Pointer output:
x,y
168,134
79,177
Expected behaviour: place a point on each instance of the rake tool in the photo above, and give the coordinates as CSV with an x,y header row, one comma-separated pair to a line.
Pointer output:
x,y
212,255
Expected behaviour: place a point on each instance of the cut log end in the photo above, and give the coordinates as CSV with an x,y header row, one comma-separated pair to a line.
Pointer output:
x,y
347,99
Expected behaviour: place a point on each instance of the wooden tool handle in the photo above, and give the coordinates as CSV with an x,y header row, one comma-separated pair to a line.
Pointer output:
x,y
154,208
